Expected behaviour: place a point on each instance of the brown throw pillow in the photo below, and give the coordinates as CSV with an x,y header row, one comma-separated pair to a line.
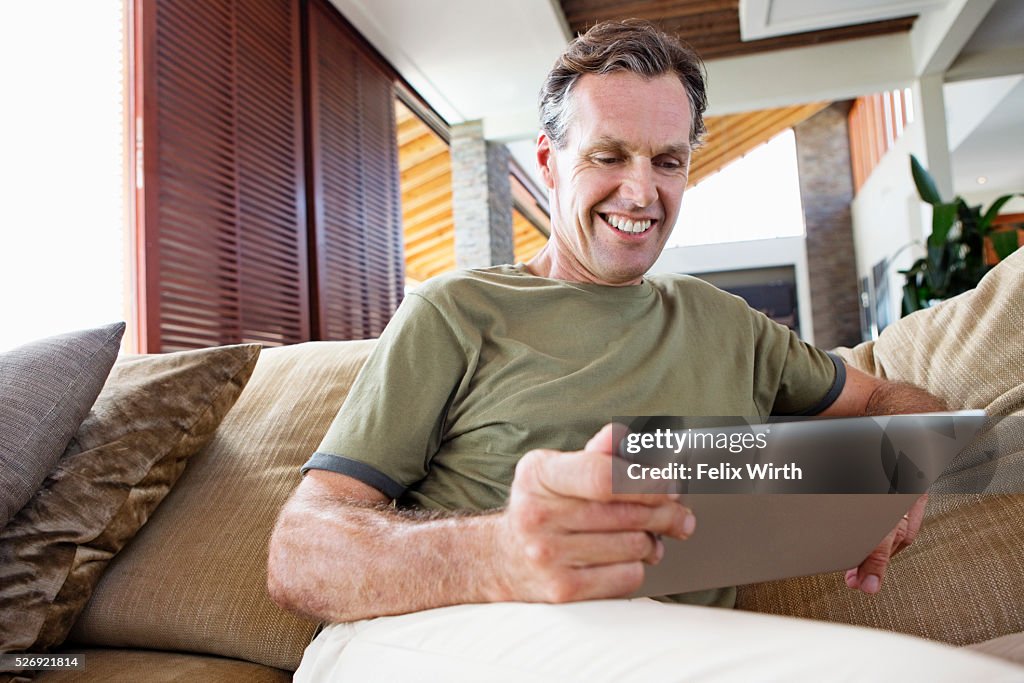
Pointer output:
x,y
195,578
153,413
46,389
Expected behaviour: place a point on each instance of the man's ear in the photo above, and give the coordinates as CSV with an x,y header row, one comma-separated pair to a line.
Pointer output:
x,y
546,160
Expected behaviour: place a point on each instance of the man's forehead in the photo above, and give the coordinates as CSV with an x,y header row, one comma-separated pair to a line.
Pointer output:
x,y
622,109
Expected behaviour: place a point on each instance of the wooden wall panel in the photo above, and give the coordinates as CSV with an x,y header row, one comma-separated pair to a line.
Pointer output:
x,y
220,220
355,196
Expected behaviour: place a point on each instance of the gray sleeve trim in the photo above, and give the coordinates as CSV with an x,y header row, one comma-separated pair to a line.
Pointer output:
x,y
357,470
833,393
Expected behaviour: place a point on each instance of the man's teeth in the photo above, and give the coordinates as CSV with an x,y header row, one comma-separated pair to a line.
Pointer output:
x,y
626,225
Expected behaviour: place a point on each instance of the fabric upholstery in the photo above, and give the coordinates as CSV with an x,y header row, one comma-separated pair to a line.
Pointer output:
x,y
162,667
153,413
966,350
194,579
960,581
611,641
1009,647
46,390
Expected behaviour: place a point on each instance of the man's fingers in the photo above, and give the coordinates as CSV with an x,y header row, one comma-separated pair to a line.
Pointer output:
x,y
914,519
602,442
603,581
586,475
668,519
871,571
595,549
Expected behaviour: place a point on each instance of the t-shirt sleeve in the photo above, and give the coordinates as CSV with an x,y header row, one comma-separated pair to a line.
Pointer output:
x,y
790,376
392,420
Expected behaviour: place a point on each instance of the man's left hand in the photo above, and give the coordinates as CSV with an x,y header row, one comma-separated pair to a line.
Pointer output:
x,y
868,576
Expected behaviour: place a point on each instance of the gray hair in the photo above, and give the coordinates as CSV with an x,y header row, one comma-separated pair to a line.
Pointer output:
x,y
632,45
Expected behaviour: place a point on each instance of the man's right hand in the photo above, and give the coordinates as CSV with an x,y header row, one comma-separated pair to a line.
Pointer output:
x,y
565,536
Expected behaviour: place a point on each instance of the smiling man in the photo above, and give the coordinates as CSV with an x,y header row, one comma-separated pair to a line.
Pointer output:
x,y
471,463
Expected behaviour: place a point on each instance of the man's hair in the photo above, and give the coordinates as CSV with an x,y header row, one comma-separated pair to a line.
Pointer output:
x,y
634,46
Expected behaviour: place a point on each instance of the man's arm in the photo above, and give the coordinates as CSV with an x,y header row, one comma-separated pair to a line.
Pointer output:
x,y
866,395
338,553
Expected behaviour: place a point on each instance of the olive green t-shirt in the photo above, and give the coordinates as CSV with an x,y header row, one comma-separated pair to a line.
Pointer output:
x,y
478,367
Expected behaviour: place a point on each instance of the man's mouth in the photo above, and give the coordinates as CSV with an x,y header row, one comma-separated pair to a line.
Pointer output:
x,y
629,226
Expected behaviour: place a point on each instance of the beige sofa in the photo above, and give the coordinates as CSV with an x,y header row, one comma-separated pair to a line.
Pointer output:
x,y
186,599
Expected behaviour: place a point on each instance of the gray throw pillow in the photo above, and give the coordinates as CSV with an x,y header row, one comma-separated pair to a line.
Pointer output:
x,y
46,390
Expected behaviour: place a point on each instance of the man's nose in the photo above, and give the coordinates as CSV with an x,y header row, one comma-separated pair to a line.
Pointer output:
x,y
639,187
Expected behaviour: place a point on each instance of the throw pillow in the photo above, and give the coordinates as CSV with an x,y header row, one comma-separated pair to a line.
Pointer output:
x,y
195,578
153,413
46,390
966,350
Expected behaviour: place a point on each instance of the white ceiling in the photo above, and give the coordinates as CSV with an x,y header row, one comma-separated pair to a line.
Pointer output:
x,y
768,18
474,59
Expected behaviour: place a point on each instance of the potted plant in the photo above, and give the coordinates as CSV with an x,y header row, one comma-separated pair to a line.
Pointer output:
x,y
954,261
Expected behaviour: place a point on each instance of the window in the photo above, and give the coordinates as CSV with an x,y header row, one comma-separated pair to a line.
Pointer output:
x,y
755,197
63,181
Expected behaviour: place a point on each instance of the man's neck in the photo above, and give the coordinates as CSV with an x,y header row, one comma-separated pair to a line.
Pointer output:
x,y
547,263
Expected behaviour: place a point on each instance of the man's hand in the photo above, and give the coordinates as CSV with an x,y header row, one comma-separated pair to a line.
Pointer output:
x,y
567,537
868,576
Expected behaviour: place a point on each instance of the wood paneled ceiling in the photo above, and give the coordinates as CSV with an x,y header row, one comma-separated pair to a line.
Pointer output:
x,y
426,182
730,137
712,27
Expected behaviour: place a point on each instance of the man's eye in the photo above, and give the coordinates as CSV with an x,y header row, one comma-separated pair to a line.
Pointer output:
x,y
607,161
670,164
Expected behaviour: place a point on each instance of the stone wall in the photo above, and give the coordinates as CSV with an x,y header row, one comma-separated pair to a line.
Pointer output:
x,y
481,198
826,190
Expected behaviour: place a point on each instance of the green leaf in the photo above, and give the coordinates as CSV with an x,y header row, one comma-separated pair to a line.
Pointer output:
x,y
1005,243
910,298
943,217
924,182
993,211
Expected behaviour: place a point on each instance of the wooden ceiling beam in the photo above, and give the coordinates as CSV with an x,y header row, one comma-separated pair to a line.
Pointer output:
x,y
446,238
410,131
645,9
712,26
417,154
416,236
424,172
437,263
424,194
442,205
414,230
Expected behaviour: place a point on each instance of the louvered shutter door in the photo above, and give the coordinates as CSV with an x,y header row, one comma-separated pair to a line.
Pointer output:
x,y
355,202
222,224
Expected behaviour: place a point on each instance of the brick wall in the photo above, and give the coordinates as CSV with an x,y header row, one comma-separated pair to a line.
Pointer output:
x,y
826,190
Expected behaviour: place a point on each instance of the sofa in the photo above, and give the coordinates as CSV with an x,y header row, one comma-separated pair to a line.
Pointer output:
x,y
184,597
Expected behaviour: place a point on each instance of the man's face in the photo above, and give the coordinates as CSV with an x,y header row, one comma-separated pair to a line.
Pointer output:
x,y
617,184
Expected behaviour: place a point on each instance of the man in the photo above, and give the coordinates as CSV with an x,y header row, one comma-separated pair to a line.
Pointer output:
x,y
481,408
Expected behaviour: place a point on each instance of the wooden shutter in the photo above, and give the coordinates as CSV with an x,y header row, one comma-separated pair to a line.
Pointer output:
x,y
353,156
221,247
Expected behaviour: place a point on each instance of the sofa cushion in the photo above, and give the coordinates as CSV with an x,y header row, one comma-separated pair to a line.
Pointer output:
x,y
960,581
46,390
194,579
153,413
1009,647
966,350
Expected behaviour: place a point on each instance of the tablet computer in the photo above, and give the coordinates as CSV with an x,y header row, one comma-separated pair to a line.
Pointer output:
x,y
771,529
